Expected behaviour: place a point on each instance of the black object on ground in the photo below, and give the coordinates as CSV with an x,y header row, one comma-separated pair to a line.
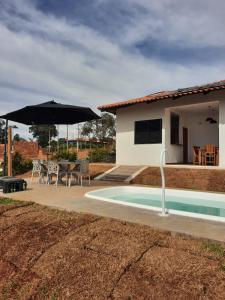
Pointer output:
x,y
12,184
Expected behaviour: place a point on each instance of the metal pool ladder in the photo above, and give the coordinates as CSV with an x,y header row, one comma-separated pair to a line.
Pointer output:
x,y
162,160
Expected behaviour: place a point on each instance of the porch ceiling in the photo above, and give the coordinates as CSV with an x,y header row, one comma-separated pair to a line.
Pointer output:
x,y
202,108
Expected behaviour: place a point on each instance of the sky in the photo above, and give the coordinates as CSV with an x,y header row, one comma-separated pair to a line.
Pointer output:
x,y
93,52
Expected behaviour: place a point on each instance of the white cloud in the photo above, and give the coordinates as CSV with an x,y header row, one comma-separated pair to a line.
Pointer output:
x,y
44,57
190,23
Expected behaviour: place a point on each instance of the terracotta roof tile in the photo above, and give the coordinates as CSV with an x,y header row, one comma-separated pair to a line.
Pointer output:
x,y
165,95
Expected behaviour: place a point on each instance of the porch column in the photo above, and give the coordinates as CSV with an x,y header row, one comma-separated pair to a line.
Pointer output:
x,y
222,133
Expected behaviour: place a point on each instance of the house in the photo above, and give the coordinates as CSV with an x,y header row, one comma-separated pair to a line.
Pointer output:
x,y
84,143
176,120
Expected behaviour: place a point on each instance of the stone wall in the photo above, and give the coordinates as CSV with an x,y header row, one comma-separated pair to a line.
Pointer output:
x,y
82,154
184,178
31,150
28,150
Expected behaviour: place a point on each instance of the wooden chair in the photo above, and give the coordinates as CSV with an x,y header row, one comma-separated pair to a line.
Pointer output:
x,y
196,155
210,155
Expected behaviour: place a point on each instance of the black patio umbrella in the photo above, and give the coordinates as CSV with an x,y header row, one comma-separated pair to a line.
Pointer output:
x,y
49,113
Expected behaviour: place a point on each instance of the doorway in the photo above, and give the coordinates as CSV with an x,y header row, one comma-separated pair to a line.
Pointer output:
x,y
185,145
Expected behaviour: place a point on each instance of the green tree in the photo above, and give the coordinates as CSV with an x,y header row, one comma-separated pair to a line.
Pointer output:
x,y
62,142
18,138
2,132
87,129
54,145
103,129
42,133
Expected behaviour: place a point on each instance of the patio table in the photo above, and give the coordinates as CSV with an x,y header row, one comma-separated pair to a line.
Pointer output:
x,y
65,166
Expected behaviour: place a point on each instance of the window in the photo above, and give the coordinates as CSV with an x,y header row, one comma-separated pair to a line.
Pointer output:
x,y
174,129
148,132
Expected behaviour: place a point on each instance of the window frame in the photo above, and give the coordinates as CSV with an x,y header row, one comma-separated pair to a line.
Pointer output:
x,y
150,139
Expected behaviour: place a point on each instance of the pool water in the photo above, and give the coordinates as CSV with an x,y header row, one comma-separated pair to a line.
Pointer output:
x,y
172,202
181,202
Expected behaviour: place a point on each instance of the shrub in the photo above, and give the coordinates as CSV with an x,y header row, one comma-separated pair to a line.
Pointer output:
x,y
101,155
20,165
65,155
1,169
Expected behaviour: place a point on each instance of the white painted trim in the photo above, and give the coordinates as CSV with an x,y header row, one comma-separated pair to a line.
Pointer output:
x,y
106,172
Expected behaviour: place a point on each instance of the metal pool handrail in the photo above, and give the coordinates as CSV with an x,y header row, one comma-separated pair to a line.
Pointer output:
x,y
162,159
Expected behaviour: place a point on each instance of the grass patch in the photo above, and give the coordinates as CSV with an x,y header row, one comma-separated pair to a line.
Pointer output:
x,y
9,289
216,248
223,266
8,201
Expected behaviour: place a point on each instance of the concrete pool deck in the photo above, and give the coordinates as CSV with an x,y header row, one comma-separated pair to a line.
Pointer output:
x,y
73,199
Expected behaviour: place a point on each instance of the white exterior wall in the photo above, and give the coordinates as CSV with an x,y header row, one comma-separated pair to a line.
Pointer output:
x,y
148,154
127,153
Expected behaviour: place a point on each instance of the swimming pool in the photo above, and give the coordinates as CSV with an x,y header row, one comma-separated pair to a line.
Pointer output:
x,y
210,206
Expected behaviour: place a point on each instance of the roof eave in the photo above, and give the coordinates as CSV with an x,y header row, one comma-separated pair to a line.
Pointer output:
x,y
112,108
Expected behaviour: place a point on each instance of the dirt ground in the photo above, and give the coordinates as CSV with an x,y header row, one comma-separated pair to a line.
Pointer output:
x,y
52,254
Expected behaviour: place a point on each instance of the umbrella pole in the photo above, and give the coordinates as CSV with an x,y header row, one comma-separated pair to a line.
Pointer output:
x,y
67,141
49,140
5,148
58,138
78,135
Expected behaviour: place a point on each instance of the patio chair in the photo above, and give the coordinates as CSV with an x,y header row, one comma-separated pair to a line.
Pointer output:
x,y
82,171
210,154
54,170
72,173
196,155
38,168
